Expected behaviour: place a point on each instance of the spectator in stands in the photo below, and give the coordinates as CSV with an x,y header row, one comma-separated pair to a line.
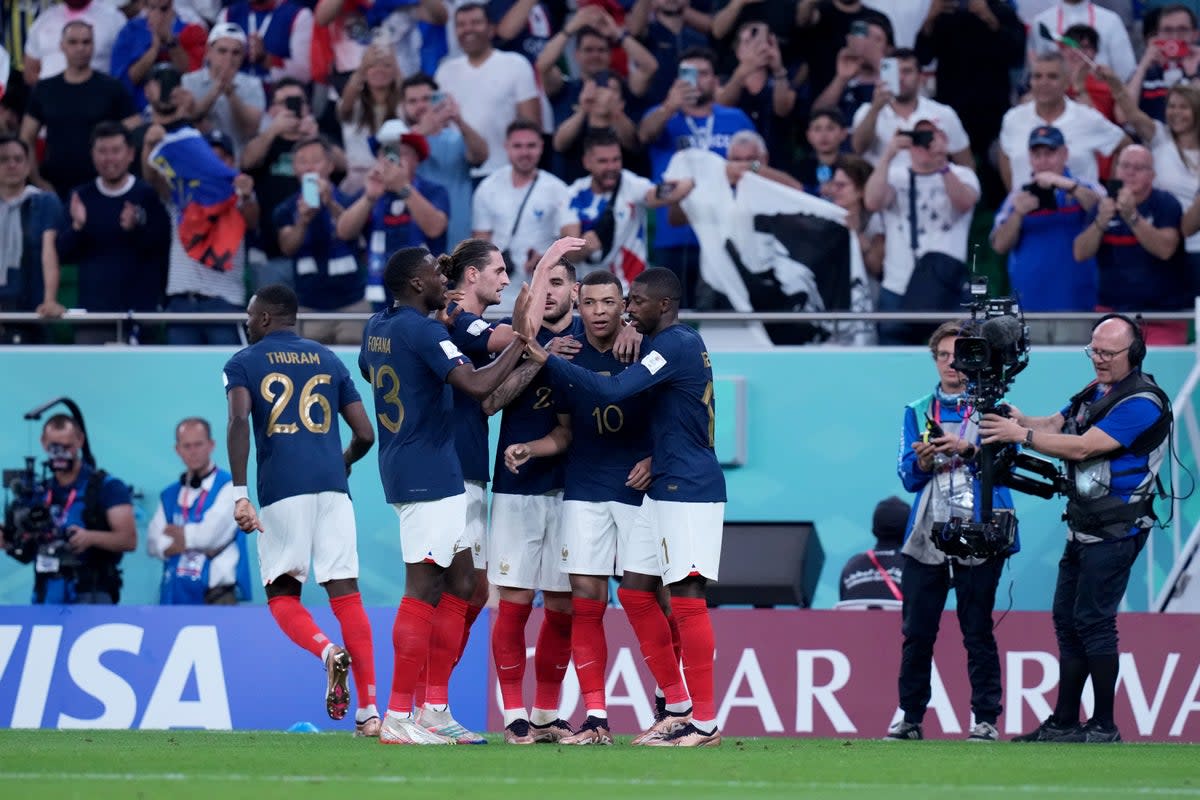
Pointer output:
x,y
118,235
44,56
927,211
876,122
454,147
876,574
857,72
1135,240
731,17
1083,85
906,16
1115,52
68,105
279,37
159,37
406,29
524,26
846,188
1036,227
328,273
399,208
223,97
824,26
519,207
668,29
132,8
826,137
1171,58
192,531
1088,132
29,221
761,88
493,88
689,117
370,98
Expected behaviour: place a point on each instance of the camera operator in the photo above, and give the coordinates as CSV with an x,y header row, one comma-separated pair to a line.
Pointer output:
x,y
1112,436
940,441
91,516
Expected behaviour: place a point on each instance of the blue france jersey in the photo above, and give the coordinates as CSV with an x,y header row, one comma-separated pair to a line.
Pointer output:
x,y
471,334
531,415
607,438
297,387
406,357
677,370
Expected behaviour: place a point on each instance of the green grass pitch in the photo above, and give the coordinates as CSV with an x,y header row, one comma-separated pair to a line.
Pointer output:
x,y
49,765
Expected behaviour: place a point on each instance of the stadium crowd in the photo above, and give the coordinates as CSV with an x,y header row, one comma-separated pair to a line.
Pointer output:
x,y
352,129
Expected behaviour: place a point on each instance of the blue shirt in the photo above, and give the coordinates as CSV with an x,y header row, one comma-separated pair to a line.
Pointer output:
x,y
677,371
607,438
447,166
67,502
680,133
132,41
471,334
328,272
297,387
406,356
391,228
531,415
1130,278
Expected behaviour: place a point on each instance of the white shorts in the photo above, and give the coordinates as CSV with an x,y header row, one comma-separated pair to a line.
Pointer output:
x,y
525,542
595,535
476,535
432,531
686,538
317,528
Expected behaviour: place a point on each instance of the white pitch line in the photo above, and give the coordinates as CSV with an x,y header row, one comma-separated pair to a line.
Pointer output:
x,y
844,786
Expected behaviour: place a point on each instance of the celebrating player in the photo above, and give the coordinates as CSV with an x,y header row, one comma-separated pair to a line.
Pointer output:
x,y
290,387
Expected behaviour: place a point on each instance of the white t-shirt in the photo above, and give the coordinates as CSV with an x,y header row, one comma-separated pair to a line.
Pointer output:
x,y
584,207
1174,174
488,96
44,39
494,210
1086,131
906,16
1115,49
888,121
940,229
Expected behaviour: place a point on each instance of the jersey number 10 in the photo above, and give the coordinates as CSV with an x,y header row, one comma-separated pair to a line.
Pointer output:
x,y
309,397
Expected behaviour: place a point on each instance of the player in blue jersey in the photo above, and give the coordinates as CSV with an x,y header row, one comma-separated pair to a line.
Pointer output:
x,y
293,389
684,509
411,364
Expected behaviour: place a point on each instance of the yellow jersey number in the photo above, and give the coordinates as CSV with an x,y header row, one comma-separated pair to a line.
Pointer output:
x,y
609,419
386,374
309,397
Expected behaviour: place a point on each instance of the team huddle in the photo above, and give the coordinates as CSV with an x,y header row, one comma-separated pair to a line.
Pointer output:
x,y
603,468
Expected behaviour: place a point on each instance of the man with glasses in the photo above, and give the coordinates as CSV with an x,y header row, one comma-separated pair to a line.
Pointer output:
x,y
1112,436
223,97
1171,58
1134,237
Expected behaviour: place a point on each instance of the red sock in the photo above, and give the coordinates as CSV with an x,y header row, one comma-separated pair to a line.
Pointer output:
x,y
551,658
449,625
419,687
297,624
590,650
699,649
410,638
472,615
675,646
650,625
508,651
356,636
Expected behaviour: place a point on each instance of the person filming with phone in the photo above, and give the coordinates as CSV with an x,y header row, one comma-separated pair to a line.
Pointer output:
x,y
1036,227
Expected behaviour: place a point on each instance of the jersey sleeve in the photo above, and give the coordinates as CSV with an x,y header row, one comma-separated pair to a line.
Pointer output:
x,y
1129,419
471,334
436,350
347,391
235,374
657,366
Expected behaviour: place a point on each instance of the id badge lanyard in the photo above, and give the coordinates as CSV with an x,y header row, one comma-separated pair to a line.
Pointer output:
x,y
953,498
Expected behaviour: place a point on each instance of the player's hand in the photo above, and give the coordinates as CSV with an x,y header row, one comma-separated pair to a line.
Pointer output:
x,y
639,476
565,346
515,455
925,452
447,315
628,346
178,543
537,353
246,517
525,321
79,539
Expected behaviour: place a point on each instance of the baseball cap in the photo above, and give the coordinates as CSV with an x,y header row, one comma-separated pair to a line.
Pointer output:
x,y
227,30
218,138
394,132
1046,136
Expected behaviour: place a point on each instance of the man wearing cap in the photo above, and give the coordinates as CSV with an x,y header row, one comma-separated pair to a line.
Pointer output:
x,y
158,37
398,208
1036,226
223,97
876,574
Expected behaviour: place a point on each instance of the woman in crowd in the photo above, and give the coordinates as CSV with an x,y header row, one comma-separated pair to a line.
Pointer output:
x,y
371,97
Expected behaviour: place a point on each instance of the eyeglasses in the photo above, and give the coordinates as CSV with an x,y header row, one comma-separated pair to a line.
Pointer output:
x,y
1104,356
943,355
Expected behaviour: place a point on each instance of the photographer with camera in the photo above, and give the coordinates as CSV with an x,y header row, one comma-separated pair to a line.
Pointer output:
x,y
74,526
937,456
1113,436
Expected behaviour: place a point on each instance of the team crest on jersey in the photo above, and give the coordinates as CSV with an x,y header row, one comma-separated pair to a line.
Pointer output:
x,y
503,567
564,554
478,548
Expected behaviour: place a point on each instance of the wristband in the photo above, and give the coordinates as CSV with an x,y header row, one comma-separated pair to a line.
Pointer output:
x,y
1029,437
240,493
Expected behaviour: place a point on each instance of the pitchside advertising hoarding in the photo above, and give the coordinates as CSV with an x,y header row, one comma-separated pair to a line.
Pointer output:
x,y
778,673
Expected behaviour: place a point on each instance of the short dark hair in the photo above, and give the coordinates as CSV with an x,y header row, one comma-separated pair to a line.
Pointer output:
x,y
1153,17
311,140
465,7
827,112
857,168
1084,34
661,282
12,138
704,53
600,137
468,253
588,30
568,267
601,277
279,299
522,124
194,421
906,54
402,266
284,83
417,79
59,421
957,327
109,129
